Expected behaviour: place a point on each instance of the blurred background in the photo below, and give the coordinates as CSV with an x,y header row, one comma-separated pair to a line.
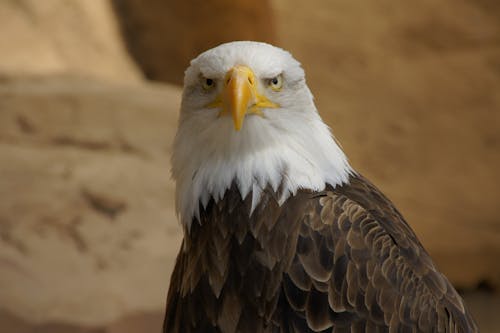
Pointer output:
x,y
89,96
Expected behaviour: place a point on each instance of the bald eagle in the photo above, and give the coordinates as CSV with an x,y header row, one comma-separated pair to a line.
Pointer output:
x,y
280,233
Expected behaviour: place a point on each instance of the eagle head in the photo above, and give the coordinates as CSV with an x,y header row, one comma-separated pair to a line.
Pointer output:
x,y
248,119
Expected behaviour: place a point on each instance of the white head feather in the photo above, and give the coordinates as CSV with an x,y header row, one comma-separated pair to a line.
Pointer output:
x,y
289,146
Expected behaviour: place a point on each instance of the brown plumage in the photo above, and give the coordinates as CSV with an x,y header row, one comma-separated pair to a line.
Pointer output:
x,y
340,260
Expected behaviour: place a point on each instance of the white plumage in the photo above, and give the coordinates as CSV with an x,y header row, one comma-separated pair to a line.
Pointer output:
x,y
288,146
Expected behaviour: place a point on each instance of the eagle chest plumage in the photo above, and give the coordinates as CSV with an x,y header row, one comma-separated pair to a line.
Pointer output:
x,y
231,266
340,260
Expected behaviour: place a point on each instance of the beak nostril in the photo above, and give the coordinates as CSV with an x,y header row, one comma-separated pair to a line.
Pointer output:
x,y
228,80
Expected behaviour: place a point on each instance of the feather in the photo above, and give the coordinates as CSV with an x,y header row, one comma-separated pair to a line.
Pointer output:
x,y
317,311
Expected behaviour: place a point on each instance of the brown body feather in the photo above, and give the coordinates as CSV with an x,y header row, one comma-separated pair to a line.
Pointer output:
x,y
340,260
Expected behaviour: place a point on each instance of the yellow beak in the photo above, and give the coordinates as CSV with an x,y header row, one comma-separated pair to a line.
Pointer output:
x,y
239,93
239,96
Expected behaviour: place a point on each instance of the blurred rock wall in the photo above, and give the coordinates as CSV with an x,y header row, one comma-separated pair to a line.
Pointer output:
x,y
75,37
88,234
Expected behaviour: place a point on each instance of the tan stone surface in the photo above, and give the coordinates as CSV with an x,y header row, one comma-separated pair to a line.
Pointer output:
x,y
412,91
59,36
88,232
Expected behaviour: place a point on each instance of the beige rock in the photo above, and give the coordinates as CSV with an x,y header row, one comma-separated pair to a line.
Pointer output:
x,y
88,232
59,37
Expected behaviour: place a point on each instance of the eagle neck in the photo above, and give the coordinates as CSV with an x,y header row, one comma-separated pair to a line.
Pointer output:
x,y
304,156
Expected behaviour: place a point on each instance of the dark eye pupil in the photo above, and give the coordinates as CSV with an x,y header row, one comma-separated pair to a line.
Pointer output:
x,y
274,80
209,82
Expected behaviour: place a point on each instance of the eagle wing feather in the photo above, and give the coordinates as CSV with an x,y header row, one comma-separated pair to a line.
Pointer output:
x,y
378,274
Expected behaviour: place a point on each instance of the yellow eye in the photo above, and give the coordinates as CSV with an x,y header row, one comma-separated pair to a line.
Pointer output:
x,y
207,83
276,83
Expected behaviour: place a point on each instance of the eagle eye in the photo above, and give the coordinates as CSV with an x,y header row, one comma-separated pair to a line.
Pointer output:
x,y
207,83
275,83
